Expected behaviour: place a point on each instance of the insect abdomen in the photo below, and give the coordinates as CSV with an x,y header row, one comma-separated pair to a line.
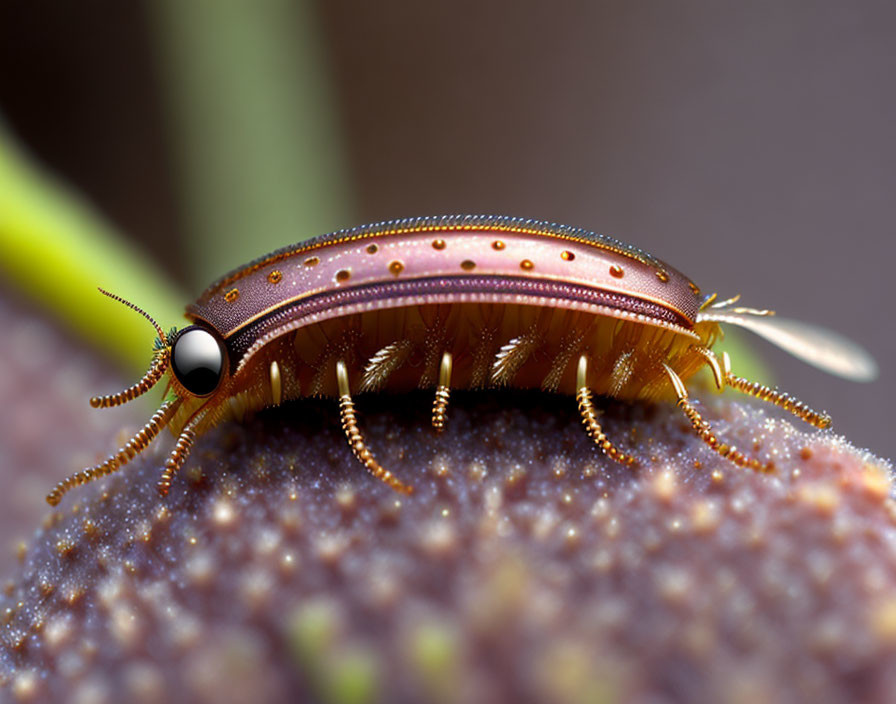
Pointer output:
x,y
492,345
512,303
453,302
368,262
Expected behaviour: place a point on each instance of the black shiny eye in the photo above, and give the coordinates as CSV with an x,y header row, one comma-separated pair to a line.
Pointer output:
x,y
197,359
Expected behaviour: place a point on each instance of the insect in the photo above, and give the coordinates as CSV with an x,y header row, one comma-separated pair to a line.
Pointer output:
x,y
453,302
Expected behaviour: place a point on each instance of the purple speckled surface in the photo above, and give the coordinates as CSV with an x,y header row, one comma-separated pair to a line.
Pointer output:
x,y
48,428
527,567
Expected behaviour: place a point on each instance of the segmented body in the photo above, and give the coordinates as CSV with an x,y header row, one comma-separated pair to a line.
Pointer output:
x,y
453,302
515,302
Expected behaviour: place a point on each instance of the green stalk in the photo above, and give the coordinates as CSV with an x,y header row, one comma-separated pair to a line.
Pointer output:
x,y
57,250
254,127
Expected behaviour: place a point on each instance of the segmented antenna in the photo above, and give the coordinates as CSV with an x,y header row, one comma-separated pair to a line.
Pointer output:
x,y
161,359
162,336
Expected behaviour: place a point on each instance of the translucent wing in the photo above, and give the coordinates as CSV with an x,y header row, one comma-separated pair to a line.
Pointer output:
x,y
817,346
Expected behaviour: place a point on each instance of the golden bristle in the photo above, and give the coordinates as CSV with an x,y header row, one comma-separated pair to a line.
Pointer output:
x,y
570,346
386,361
512,356
482,357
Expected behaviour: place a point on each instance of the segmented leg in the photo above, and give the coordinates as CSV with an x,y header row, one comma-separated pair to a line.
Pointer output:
x,y
159,364
443,391
779,398
717,374
353,434
179,454
134,446
705,432
589,418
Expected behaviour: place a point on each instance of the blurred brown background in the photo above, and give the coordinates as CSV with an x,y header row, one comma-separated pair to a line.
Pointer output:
x,y
749,144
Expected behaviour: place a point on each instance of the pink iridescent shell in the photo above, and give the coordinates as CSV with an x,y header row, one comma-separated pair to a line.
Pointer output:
x,y
450,260
457,302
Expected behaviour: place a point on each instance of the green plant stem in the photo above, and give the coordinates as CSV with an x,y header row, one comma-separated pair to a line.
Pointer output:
x,y
254,127
57,250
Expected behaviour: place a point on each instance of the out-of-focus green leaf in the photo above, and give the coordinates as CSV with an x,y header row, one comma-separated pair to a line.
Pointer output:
x,y
255,127
57,250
